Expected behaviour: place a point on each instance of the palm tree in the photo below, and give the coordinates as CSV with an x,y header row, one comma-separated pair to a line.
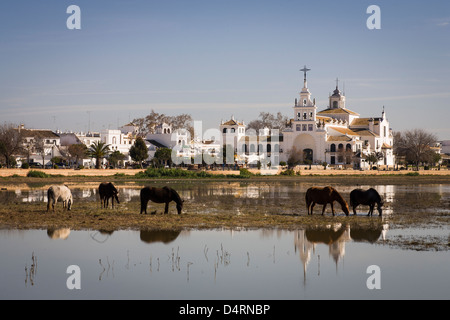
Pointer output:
x,y
98,150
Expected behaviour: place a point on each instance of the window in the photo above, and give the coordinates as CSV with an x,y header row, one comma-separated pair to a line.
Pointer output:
x,y
333,147
232,130
304,102
340,148
298,127
304,115
348,147
303,127
224,130
335,104
310,115
310,127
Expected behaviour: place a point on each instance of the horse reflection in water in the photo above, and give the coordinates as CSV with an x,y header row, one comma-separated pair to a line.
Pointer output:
x,y
324,196
164,236
368,197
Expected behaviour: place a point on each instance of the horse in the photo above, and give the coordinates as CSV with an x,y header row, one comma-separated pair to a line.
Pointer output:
x,y
160,195
63,193
324,196
368,197
107,190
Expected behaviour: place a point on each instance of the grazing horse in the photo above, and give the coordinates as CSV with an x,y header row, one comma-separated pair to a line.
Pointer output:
x,y
160,195
63,193
324,196
368,197
107,190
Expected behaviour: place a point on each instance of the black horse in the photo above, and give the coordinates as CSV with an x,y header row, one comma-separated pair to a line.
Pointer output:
x,y
107,190
368,197
160,195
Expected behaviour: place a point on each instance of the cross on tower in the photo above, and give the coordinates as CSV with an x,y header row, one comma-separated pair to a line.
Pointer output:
x,y
305,70
337,83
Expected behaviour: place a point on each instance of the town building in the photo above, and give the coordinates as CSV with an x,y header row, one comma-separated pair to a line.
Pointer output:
x,y
336,135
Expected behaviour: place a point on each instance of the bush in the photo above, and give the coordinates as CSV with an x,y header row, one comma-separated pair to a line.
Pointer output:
x,y
37,174
25,165
288,172
243,172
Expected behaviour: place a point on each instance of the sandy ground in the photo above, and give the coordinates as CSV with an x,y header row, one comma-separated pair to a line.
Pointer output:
x,y
131,172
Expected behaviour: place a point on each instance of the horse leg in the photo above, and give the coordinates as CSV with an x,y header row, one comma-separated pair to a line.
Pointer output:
x,y
354,209
312,207
166,209
332,208
144,206
371,209
323,209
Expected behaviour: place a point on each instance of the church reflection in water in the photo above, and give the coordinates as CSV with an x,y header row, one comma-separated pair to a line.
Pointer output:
x,y
335,237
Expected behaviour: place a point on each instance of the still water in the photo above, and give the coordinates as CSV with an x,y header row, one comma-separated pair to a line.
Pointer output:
x,y
217,264
333,262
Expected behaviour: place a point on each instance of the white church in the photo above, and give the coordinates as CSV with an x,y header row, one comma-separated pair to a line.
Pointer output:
x,y
336,135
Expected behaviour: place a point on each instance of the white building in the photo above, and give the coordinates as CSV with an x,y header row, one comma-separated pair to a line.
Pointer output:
x,y
335,135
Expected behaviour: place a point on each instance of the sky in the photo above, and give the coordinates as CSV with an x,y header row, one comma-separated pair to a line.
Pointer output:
x,y
217,59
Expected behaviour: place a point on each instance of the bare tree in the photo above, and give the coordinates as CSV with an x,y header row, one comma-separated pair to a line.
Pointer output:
x,y
39,146
414,145
11,142
269,120
148,123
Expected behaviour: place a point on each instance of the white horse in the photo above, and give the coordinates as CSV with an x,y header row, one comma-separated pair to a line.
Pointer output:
x,y
63,193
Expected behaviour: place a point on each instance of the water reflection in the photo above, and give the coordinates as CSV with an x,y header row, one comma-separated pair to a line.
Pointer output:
x,y
164,236
245,264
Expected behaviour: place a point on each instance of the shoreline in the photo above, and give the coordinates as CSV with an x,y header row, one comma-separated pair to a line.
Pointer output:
x,y
17,172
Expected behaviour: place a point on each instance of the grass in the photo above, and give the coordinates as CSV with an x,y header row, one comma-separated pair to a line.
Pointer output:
x,y
86,216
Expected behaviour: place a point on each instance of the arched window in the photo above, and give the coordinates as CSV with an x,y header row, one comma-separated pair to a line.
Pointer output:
x,y
335,104
269,148
114,140
340,147
333,147
252,148
348,147
224,130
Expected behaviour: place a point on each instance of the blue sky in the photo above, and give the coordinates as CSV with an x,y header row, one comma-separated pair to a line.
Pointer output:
x,y
214,59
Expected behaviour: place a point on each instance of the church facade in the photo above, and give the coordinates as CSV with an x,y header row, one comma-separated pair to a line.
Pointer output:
x,y
335,135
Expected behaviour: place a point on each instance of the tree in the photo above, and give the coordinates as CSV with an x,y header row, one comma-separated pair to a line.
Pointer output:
x,y
139,151
115,157
11,142
77,151
271,121
39,146
98,150
163,156
148,123
414,145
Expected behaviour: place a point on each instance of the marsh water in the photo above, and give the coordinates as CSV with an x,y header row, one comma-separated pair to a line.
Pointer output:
x,y
335,261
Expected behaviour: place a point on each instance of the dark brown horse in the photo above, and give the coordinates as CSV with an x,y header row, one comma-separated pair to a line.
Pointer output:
x,y
324,196
368,197
160,195
107,190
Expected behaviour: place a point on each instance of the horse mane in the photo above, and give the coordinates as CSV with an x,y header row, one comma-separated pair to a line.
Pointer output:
x,y
176,196
339,198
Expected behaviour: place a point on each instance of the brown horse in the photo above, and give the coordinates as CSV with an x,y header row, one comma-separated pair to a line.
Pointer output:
x,y
324,196
160,195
